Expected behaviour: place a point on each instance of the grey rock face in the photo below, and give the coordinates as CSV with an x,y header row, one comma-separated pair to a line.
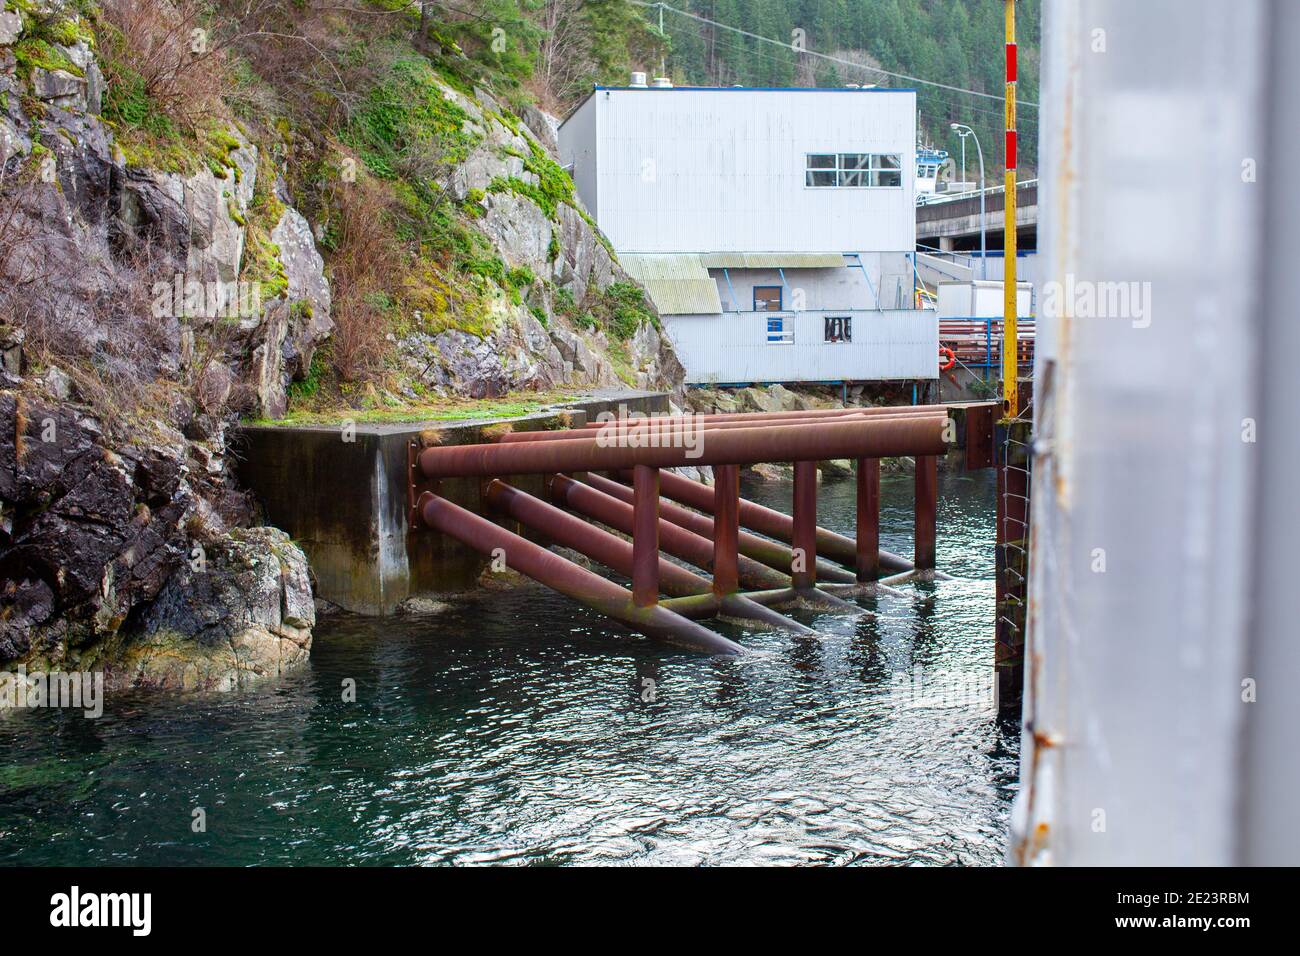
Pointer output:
x,y
11,27
243,613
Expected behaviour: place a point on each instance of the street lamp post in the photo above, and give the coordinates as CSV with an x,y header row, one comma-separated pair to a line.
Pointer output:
x,y
963,131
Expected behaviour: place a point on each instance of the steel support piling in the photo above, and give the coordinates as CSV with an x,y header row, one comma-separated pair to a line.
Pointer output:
x,y
645,535
926,511
726,529
867,561
803,569
568,578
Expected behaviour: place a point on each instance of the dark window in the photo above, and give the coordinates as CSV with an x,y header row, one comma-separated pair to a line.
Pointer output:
x,y
839,328
767,298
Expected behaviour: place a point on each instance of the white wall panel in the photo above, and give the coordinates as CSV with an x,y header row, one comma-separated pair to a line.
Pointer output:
x,y
733,348
722,170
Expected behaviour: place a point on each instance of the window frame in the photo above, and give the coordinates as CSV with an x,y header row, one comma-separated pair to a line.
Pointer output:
x,y
847,327
783,334
780,297
869,175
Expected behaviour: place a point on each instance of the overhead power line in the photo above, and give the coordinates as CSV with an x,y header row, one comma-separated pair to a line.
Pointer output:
x,y
828,57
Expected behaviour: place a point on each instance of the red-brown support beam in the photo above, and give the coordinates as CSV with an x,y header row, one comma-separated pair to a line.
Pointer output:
x,y
804,567
855,438
769,521
675,540
570,531
616,554
645,535
726,529
868,519
646,430
760,550
568,578
926,510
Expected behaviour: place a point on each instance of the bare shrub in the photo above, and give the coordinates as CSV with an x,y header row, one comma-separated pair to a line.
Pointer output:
x,y
167,54
364,253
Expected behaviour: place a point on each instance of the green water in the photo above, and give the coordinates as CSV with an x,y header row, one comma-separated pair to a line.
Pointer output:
x,y
519,728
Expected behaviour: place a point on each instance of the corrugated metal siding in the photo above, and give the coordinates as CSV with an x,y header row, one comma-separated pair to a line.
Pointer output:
x,y
733,347
772,260
678,285
724,170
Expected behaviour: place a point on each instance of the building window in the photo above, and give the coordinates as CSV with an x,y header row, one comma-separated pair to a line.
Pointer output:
x,y
839,328
767,298
853,170
779,331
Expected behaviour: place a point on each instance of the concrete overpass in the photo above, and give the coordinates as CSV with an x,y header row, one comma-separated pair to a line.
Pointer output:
x,y
954,224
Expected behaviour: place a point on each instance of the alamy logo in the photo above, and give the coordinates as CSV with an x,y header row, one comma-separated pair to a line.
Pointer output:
x,y
626,429
80,691
75,909
182,299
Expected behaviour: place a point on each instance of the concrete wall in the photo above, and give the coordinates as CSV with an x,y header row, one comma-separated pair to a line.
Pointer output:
x,y
722,170
732,348
345,501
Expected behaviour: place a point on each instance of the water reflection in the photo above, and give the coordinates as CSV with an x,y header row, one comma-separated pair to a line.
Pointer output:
x,y
518,728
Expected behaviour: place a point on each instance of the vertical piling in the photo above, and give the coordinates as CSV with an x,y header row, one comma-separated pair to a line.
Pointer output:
x,y
645,535
1012,562
726,529
804,564
868,519
926,509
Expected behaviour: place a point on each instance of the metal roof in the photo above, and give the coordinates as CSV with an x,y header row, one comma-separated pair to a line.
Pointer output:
x,y
678,284
772,260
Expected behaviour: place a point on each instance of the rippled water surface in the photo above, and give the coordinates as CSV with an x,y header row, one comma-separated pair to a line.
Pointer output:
x,y
519,728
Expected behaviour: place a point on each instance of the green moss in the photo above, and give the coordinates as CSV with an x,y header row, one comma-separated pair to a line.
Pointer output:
x,y
553,248
407,117
309,387
34,53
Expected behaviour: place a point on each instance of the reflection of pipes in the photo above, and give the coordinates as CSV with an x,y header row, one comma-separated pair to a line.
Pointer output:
x,y
860,438
772,523
770,553
568,578
677,541
616,554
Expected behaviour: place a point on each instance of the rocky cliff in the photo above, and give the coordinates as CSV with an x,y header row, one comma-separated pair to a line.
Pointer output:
x,y
163,274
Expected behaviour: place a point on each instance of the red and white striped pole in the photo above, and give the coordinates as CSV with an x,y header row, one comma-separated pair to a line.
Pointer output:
x,y
1010,349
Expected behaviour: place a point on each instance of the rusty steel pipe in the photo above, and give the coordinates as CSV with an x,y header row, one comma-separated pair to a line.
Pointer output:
x,y
677,541
599,545
770,417
862,438
772,523
726,529
927,506
568,578
867,557
804,544
665,427
770,553
645,535
617,554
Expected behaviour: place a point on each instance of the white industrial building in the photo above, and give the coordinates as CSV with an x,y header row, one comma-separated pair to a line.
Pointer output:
x,y
774,229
